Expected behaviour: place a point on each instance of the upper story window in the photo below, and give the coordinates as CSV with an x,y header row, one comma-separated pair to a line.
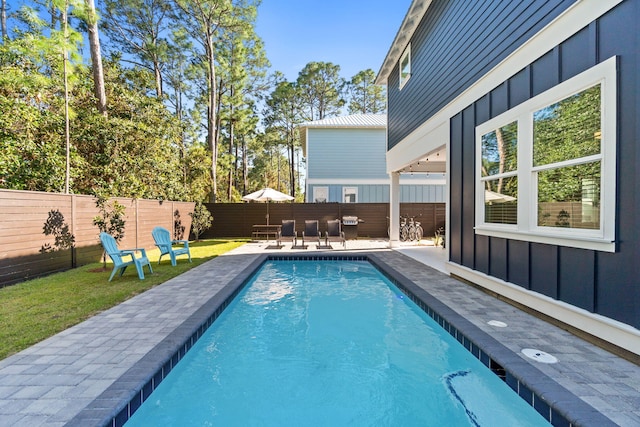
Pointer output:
x,y
405,66
546,169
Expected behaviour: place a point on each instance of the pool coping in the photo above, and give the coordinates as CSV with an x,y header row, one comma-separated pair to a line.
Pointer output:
x,y
554,402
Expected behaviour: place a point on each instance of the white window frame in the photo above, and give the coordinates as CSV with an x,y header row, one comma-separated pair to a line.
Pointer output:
x,y
405,55
318,191
349,190
527,228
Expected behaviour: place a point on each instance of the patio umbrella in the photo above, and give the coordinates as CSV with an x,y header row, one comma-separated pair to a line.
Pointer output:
x,y
492,196
267,195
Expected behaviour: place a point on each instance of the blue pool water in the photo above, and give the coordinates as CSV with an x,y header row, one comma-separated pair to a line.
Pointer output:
x,y
329,343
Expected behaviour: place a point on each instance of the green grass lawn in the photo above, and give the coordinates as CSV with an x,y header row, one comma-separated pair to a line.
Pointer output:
x,y
37,309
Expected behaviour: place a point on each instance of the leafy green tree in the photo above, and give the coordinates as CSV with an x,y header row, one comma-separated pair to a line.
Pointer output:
x,y
33,155
270,165
499,155
320,87
31,141
138,28
201,220
563,131
111,220
133,153
198,165
285,111
179,71
365,97
90,18
207,18
242,68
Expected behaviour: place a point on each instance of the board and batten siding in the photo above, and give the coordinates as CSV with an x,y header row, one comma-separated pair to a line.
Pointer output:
x,y
379,193
457,42
345,153
600,282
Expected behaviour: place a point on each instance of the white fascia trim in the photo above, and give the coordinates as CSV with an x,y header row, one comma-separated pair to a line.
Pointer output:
x,y
569,240
348,182
426,139
410,23
607,329
575,18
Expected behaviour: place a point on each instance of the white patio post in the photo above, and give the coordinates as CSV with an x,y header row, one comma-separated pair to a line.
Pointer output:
x,y
394,210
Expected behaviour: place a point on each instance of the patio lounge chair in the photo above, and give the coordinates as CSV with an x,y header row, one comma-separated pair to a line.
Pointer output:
x,y
311,232
288,232
334,233
162,237
120,258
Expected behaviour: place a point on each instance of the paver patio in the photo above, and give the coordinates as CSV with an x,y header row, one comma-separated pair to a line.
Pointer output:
x,y
71,378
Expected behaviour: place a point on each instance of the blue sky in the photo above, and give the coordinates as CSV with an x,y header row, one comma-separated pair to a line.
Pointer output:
x,y
354,34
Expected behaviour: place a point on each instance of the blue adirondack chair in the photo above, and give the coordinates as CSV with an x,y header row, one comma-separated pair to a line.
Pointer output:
x,y
174,248
120,258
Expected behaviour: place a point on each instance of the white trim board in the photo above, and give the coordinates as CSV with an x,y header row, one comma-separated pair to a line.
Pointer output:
x,y
605,328
351,182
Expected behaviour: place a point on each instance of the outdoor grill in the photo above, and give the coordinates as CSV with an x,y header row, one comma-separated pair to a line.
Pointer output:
x,y
350,226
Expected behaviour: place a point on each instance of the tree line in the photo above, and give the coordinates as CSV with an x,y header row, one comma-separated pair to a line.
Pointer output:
x,y
175,99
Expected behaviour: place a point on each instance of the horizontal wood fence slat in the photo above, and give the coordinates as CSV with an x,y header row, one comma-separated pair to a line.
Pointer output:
x,y
23,215
237,219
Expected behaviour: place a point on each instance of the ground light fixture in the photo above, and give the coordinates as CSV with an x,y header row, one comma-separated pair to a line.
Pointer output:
x,y
539,355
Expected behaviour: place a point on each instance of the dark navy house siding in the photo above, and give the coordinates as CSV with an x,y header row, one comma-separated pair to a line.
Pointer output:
x,y
600,282
457,42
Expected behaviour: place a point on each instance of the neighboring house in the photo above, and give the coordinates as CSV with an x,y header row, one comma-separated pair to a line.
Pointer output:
x,y
346,163
536,104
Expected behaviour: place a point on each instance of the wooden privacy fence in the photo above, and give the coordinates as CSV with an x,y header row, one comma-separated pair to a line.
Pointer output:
x,y
35,228
237,219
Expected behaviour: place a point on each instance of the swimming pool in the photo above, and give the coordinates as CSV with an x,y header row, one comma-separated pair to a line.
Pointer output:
x,y
329,343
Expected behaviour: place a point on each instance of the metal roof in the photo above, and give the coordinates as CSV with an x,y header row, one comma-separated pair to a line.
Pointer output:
x,y
413,17
352,121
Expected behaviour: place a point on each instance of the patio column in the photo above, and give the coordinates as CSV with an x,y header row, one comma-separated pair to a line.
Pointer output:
x,y
394,210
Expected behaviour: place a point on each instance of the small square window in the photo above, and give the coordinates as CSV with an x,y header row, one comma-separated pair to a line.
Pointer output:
x,y
320,194
405,67
350,195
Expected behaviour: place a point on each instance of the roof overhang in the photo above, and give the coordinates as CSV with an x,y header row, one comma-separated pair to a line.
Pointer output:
x,y
411,20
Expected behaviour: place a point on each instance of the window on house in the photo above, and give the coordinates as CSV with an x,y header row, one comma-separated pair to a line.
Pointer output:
x,y
350,194
405,66
500,174
567,161
320,194
546,169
